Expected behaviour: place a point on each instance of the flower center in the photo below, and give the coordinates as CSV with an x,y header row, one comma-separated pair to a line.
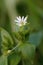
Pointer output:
x,y
22,23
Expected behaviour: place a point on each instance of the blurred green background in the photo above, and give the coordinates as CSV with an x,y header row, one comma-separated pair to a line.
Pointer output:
x,y
9,9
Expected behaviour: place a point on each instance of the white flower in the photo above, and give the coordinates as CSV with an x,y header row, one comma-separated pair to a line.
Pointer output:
x,y
21,21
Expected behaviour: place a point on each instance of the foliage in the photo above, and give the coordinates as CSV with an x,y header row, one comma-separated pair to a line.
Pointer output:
x,y
21,45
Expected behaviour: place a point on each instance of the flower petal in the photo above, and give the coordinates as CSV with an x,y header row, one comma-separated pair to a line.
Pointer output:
x,y
18,18
16,21
25,18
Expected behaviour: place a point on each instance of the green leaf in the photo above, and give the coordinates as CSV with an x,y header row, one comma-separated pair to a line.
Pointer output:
x,y
35,38
41,45
14,59
7,41
28,51
3,60
27,62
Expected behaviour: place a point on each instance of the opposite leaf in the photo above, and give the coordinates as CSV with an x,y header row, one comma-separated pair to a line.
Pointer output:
x,y
3,60
27,51
7,42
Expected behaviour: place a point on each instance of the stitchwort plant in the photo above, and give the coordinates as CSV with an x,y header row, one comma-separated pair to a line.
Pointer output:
x,y
16,47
